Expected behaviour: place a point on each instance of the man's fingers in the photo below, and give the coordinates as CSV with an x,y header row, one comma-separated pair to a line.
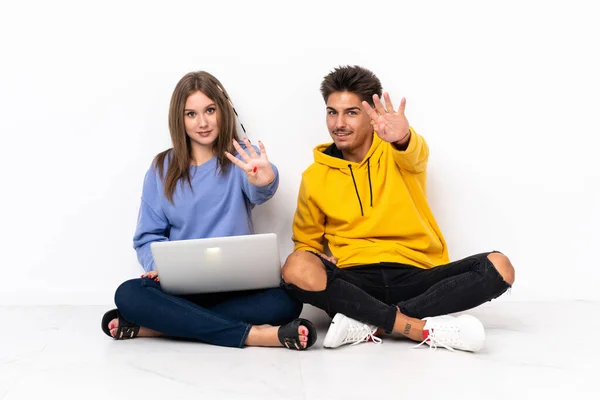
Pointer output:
x,y
388,102
369,110
378,105
331,259
402,106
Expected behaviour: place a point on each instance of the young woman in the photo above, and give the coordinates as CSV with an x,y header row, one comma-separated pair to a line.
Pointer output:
x,y
198,189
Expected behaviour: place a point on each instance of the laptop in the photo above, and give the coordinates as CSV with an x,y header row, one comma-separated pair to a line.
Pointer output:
x,y
221,264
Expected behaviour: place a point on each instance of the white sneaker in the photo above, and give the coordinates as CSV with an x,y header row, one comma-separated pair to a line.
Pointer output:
x,y
344,330
462,333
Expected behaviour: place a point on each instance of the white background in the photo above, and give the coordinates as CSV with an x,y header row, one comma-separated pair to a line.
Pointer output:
x,y
506,94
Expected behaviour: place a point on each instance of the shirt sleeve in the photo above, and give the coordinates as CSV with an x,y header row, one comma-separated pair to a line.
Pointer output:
x,y
414,158
152,224
309,223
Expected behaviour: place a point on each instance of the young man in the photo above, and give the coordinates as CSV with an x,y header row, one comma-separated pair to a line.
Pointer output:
x,y
364,196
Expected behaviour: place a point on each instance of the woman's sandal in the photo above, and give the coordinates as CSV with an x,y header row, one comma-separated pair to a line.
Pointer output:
x,y
289,337
126,329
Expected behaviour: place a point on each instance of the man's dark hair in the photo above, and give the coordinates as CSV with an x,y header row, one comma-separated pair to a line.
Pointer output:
x,y
353,79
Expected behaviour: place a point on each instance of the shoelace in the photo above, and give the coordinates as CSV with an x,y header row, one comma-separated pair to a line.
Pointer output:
x,y
434,342
361,333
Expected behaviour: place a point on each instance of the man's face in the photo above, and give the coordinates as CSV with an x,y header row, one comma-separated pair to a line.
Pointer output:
x,y
348,124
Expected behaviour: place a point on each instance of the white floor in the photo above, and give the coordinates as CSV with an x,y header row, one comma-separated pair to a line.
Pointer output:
x,y
533,351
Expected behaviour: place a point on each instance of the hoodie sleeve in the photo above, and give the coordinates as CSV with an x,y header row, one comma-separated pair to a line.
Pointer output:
x,y
152,224
414,158
258,195
309,223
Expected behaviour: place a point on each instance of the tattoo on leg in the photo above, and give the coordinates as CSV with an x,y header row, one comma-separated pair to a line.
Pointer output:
x,y
407,329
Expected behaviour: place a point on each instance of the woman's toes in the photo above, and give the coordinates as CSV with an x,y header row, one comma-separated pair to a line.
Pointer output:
x,y
113,326
303,340
303,335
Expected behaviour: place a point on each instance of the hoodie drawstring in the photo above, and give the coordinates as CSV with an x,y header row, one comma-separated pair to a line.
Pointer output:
x,y
356,187
369,175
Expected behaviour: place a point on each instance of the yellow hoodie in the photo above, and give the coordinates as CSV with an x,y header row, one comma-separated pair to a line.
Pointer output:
x,y
369,212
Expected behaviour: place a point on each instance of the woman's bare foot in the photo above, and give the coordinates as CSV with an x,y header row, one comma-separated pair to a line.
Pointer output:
x,y
266,336
113,326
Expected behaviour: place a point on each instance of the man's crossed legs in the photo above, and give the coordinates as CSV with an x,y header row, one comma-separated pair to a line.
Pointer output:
x,y
400,298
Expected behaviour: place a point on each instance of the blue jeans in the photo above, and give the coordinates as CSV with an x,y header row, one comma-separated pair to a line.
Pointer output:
x,y
223,319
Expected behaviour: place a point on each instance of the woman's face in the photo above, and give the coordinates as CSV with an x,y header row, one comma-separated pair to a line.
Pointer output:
x,y
201,120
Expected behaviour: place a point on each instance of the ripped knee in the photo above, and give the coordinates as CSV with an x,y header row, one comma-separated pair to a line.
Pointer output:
x,y
503,266
305,270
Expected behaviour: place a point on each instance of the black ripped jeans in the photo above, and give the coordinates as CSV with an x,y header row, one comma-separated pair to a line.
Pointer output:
x,y
370,293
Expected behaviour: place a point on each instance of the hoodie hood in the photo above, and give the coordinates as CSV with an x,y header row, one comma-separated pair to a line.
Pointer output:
x,y
330,156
